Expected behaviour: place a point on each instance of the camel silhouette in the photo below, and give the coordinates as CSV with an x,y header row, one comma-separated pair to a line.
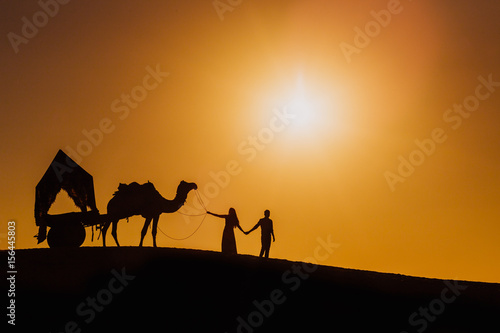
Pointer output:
x,y
144,200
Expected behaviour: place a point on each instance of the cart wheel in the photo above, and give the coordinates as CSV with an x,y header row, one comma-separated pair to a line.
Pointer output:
x,y
67,235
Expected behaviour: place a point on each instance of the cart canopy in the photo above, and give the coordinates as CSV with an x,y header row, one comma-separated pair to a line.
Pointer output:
x,y
64,173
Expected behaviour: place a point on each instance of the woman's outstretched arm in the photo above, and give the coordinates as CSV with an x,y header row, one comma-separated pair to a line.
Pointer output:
x,y
217,215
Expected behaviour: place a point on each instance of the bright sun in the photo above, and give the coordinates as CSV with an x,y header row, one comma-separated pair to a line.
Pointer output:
x,y
319,112
302,106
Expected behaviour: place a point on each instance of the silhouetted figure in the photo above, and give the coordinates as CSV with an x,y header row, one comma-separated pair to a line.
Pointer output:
x,y
266,228
228,239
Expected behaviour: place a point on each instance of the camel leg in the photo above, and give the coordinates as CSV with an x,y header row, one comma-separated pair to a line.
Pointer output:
x,y
145,229
104,230
113,232
155,229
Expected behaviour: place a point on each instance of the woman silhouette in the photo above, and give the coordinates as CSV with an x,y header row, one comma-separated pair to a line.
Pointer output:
x,y
228,239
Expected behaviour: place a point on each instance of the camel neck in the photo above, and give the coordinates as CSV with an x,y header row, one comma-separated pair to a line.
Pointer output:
x,y
173,205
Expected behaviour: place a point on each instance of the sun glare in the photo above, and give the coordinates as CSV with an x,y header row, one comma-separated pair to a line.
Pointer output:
x,y
302,106
318,111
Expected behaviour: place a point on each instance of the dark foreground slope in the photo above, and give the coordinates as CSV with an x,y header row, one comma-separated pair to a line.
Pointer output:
x,y
175,290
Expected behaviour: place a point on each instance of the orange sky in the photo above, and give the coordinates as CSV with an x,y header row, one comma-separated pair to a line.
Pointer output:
x,y
347,118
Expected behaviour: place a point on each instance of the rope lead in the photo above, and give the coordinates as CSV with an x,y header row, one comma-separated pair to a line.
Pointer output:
x,y
199,226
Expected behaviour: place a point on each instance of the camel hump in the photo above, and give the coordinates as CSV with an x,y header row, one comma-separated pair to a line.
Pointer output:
x,y
149,187
135,188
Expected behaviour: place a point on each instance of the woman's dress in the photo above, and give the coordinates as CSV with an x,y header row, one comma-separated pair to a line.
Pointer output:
x,y
228,239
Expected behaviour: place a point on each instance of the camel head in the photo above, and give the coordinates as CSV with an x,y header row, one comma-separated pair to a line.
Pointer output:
x,y
184,188
187,186
182,192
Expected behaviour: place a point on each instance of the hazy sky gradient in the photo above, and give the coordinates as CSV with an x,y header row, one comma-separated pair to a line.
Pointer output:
x,y
322,172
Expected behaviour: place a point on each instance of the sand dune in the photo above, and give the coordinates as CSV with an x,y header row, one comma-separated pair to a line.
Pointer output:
x,y
177,290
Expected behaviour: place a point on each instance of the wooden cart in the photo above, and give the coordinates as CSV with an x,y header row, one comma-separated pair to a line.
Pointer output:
x,y
66,230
